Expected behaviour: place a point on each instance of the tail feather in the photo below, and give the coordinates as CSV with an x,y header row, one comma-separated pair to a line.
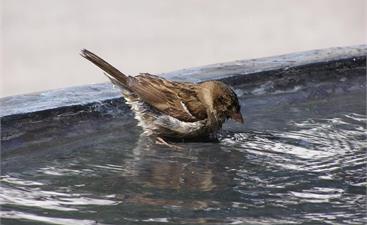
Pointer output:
x,y
112,73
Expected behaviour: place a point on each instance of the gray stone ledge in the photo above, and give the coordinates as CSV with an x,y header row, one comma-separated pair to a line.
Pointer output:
x,y
223,71
283,69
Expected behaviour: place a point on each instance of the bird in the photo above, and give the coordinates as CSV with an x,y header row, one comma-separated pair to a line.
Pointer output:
x,y
171,110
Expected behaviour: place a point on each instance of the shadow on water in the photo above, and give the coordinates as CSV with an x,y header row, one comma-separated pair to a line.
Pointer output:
x,y
299,159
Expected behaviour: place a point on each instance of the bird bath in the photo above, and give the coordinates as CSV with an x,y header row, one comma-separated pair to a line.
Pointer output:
x,y
75,156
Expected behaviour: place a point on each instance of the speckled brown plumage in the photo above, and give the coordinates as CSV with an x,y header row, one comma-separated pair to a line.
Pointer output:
x,y
173,109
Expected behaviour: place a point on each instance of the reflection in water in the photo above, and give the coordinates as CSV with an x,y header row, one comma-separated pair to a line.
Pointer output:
x,y
302,169
186,169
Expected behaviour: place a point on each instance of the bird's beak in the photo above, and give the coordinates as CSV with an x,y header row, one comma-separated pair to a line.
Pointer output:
x,y
237,117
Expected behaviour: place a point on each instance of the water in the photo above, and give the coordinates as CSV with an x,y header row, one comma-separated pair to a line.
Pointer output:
x,y
299,159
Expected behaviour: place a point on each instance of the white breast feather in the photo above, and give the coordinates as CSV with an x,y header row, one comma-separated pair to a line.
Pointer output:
x,y
150,120
174,124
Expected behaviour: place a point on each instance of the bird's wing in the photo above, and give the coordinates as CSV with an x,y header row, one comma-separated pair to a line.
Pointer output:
x,y
175,99
178,100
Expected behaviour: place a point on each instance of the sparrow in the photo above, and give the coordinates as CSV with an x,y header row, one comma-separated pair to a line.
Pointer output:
x,y
173,110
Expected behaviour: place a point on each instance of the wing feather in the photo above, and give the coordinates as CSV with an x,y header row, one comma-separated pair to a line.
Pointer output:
x,y
178,100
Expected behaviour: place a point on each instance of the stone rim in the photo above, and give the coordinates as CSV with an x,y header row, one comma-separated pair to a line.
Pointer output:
x,y
284,68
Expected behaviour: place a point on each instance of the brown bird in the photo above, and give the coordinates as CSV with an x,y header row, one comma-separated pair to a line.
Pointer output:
x,y
169,109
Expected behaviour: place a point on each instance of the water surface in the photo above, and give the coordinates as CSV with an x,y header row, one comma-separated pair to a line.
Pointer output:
x,y
300,158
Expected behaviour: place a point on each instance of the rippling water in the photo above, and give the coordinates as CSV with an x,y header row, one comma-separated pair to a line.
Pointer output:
x,y
298,160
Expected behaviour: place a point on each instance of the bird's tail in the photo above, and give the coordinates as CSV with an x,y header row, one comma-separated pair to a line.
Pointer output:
x,y
114,74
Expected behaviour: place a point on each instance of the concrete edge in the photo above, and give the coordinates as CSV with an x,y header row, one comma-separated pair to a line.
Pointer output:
x,y
231,72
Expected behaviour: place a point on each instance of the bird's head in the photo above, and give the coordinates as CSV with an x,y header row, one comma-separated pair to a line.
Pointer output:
x,y
224,100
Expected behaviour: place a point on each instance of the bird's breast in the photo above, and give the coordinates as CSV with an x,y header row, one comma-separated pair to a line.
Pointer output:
x,y
156,123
